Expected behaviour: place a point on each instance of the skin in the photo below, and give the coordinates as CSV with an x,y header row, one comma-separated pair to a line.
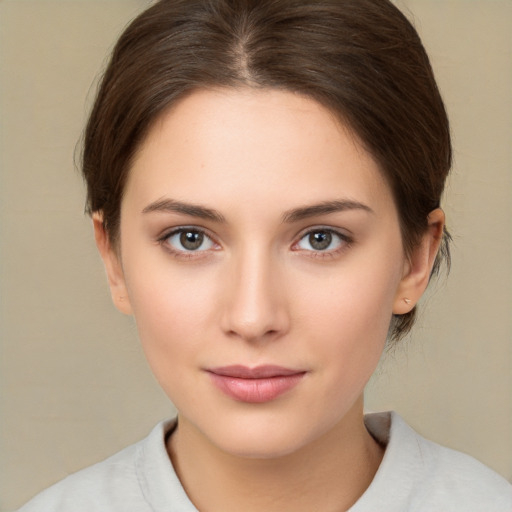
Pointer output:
x,y
258,292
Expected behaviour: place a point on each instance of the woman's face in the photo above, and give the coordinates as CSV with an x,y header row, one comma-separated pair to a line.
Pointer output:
x,y
262,259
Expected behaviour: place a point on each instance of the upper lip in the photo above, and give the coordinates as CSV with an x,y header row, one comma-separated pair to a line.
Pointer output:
x,y
257,372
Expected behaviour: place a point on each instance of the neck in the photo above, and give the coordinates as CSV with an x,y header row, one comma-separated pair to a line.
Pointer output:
x,y
329,474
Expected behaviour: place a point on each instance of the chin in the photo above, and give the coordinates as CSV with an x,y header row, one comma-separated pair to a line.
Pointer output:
x,y
261,445
263,436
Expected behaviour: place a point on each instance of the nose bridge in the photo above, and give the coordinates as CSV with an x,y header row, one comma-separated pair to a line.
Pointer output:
x,y
256,307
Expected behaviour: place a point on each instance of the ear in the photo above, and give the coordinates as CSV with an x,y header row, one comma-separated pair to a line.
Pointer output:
x,y
419,265
113,266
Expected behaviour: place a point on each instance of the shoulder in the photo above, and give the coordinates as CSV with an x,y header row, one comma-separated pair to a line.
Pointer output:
x,y
91,488
455,476
422,476
119,483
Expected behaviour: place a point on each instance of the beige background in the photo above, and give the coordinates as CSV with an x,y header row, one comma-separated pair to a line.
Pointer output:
x,y
74,385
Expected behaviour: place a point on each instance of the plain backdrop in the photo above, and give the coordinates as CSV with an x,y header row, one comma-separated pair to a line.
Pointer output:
x,y
75,387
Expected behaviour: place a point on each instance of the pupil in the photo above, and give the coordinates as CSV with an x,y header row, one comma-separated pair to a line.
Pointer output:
x,y
320,240
191,240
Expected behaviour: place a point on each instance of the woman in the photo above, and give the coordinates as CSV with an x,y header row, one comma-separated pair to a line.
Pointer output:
x,y
264,180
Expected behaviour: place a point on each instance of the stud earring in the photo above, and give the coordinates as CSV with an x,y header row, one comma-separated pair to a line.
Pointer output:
x,y
407,301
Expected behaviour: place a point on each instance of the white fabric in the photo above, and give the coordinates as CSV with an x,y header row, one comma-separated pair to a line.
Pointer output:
x,y
415,475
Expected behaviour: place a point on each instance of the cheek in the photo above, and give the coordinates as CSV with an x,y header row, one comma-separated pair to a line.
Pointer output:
x,y
349,313
357,298
173,312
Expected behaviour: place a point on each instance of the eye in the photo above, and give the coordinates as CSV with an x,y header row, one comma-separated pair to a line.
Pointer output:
x,y
189,240
322,240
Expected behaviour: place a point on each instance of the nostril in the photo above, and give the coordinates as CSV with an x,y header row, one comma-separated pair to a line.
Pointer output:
x,y
254,335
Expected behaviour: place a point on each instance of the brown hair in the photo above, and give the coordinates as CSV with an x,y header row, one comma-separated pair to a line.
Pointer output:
x,y
362,59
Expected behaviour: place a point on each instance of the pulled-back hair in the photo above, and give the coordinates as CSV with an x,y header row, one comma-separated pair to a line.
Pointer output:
x,y
361,59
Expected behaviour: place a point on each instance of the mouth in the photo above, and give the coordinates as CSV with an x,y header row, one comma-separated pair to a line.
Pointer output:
x,y
255,385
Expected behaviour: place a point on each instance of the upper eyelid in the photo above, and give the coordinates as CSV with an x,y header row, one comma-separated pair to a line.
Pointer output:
x,y
163,241
346,239
166,233
344,233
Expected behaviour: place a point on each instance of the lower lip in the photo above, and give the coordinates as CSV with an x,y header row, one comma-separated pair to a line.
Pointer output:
x,y
256,390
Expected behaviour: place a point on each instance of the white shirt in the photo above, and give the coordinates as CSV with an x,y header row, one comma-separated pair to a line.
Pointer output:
x,y
415,475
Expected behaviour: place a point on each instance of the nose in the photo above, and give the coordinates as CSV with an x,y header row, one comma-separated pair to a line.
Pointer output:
x,y
255,306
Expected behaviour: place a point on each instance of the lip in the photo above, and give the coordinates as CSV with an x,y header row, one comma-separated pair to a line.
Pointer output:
x,y
255,385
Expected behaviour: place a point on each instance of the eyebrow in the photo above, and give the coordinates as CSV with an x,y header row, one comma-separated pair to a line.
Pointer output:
x,y
194,210
297,214
324,208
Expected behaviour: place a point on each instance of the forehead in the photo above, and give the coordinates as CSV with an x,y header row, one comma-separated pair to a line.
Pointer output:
x,y
258,145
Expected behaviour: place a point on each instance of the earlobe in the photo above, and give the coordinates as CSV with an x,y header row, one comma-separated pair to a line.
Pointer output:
x,y
113,266
419,265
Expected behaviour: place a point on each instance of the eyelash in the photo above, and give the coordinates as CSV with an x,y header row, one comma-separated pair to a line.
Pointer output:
x,y
185,254
345,242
